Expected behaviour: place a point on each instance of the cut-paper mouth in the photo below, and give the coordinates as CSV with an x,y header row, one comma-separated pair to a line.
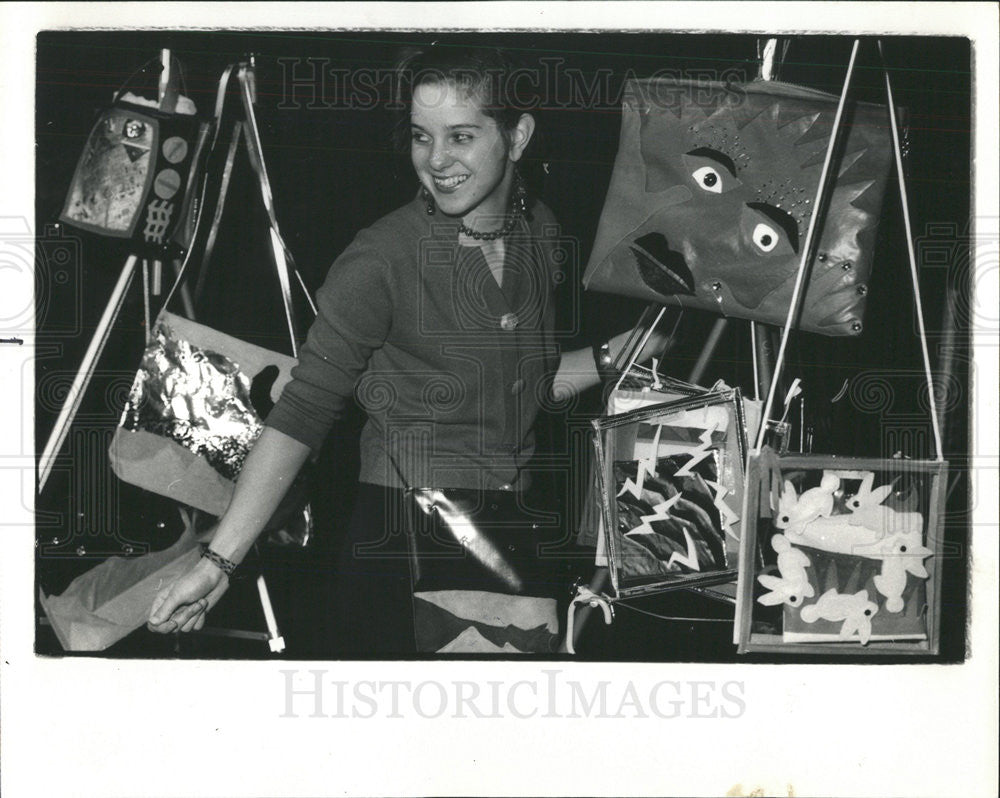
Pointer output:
x,y
661,268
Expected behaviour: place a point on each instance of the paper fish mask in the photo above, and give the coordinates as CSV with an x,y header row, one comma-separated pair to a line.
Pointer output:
x,y
712,192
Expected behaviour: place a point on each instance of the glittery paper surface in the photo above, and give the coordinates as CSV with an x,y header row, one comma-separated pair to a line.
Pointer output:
x,y
197,398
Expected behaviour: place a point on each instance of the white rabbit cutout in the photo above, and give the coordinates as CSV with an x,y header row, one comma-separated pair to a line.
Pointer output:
x,y
856,611
862,531
868,511
796,512
793,587
902,553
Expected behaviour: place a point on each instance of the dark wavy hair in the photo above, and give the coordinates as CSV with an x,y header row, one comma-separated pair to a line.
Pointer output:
x,y
486,73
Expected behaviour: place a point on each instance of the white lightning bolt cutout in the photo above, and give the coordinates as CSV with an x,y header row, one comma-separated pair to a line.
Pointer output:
x,y
699,454
726,515
691,559
646,465
661,512
635,488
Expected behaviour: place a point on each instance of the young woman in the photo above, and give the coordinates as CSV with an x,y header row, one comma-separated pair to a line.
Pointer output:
x,y
439,319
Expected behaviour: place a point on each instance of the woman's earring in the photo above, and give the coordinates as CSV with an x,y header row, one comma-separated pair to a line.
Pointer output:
x,y
425,195
520,195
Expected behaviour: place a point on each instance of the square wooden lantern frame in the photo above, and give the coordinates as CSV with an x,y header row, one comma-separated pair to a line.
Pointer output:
x,y
606,429
750,641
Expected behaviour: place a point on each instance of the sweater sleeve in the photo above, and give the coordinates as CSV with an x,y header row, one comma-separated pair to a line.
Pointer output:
x,y
354,315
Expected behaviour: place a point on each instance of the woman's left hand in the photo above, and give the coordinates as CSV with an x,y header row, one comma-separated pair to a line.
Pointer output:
x,y
656,346
578,372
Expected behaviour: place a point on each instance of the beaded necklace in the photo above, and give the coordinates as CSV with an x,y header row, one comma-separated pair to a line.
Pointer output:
x,y
493,235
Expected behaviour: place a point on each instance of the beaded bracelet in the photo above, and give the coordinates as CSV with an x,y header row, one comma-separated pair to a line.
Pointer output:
x,y
220,562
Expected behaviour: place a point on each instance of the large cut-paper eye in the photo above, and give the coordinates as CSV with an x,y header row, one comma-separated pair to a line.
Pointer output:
x,y
709,179
711,171
768,230
765,237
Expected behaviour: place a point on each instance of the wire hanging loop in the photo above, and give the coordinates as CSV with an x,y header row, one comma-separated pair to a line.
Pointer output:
x,y
898,157
809,247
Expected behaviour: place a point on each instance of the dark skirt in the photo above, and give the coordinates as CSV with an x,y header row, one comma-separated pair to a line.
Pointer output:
x,y
373,608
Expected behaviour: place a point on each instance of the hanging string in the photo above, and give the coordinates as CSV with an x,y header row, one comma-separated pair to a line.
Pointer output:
x,y
802,423
199,217
673,617
807,250
768,66
282,255
128,81
250,134
913,260
220,204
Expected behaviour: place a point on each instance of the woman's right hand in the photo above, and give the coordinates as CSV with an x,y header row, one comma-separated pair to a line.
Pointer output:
x,y
269,469
182,606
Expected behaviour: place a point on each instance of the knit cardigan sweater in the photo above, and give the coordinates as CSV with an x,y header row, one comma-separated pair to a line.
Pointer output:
x,y
450,368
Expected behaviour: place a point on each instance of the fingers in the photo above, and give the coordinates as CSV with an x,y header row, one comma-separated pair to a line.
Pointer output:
x,y
165,604
163,608
197,613
157,603
188,614
183,619
182,609
197,618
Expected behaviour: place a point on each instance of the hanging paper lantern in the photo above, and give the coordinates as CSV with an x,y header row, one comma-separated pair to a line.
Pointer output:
x,y
713,190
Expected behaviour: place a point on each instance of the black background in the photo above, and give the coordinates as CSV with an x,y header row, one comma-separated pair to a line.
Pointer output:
x,y
334,171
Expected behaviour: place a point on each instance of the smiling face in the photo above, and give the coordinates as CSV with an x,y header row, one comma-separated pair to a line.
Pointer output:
x,y
460,154
712,196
